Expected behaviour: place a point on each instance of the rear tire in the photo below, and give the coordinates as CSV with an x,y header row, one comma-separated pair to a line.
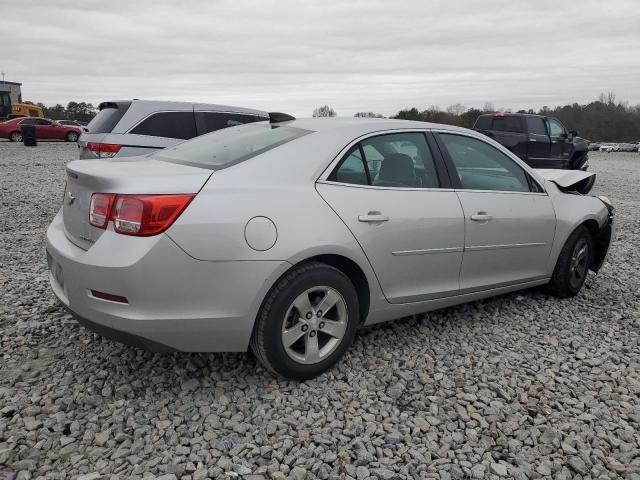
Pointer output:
x,y
72,137
573,264
15,136
293,337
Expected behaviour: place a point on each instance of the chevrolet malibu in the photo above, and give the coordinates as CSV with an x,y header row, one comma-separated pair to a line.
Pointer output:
x,y
285,237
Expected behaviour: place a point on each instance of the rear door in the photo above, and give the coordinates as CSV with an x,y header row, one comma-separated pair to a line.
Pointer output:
x,y
509,219
403,213
510,130
539,144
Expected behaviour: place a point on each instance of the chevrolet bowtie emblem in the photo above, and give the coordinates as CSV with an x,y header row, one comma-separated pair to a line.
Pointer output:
x,y
70,198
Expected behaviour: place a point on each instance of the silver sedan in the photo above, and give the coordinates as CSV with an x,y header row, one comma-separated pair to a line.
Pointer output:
x,y
285,237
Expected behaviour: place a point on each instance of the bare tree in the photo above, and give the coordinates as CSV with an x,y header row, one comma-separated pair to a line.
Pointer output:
x,y
457,109
324,111
369,115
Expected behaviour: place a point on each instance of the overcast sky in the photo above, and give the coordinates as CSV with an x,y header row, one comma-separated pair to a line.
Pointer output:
x,y
294,55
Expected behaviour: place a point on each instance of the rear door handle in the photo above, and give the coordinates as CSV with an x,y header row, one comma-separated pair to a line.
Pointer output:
x,y
481,217
373,217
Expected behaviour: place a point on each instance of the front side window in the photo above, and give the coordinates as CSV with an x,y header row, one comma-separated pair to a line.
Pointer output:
x,y
481,166
226,147
179,125
556,130
29,121
401,160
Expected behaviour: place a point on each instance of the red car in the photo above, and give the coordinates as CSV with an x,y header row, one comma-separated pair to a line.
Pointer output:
x,y
45,129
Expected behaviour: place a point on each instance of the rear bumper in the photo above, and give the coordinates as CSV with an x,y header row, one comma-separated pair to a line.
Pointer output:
x,y
174,302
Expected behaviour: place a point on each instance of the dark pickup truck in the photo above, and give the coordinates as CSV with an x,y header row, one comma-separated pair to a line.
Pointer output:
x,y
542,142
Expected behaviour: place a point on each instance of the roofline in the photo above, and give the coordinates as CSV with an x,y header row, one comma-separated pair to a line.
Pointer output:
x,y
9,83
225,108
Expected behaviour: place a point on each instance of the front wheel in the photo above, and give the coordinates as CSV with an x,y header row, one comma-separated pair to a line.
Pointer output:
x,y
573,264
15,137
72,137
307,322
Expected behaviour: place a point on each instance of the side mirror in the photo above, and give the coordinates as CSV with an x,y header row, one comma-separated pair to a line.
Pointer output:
x,y
573,133
564,135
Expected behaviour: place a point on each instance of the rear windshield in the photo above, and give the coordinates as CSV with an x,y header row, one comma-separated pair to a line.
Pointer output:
x,y
506,124
229,146
483,123
108,117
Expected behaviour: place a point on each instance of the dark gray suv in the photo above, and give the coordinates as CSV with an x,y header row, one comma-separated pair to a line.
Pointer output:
x,y
137,127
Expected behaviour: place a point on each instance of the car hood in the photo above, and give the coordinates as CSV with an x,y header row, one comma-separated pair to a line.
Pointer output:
x,y
569,180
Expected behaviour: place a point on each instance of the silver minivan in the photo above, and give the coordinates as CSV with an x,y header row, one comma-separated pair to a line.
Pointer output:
x,y
137,127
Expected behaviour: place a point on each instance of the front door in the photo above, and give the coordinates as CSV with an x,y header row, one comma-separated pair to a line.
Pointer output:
x,y
44,130
388,192
509,219
538,143
560,143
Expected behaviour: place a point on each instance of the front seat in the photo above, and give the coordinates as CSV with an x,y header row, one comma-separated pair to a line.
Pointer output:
x,y
397,171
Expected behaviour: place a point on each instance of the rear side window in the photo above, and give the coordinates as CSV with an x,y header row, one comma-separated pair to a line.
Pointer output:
x,y
506,124
351,170
211,121
180,125
536,126
227,147
108,117
400,160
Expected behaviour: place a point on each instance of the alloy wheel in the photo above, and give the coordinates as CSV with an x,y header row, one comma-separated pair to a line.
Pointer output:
x,y
579,263
314,325
16,137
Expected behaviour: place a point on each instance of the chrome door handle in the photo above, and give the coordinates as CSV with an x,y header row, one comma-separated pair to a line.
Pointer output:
x,y
373,217
481,217
533,140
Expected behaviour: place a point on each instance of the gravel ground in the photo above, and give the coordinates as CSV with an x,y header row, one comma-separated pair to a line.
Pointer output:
x,y
522,386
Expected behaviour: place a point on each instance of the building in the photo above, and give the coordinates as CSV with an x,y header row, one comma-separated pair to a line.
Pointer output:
x,y
14,89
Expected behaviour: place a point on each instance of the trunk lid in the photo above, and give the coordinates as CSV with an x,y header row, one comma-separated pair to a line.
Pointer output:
x,y
129,175
569,180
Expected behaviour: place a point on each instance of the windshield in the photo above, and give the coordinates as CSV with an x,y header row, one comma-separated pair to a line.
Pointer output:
x,y
229,146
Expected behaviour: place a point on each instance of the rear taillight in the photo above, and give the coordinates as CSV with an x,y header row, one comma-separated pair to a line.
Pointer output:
x,y
100,209
103,150
139,215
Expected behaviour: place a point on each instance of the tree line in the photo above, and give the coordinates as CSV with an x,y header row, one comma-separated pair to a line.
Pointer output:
x,y
80,111
603,120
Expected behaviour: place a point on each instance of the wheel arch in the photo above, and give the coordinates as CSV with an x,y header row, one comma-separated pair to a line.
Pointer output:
x,y
346,265
355,274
